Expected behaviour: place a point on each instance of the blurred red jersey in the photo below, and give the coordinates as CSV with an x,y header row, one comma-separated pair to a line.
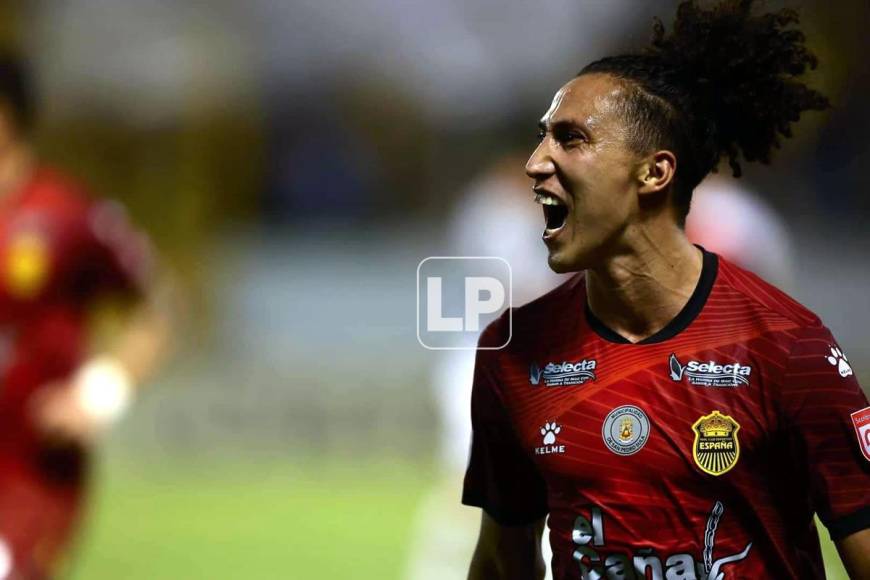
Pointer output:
x,y
702,451
59,251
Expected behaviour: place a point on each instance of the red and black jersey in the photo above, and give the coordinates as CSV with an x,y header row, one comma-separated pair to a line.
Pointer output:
x,y
60,250
702,451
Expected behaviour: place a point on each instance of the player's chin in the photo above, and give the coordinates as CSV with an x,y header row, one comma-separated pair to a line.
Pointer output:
x,y
562,260
566,257
563,247
556,263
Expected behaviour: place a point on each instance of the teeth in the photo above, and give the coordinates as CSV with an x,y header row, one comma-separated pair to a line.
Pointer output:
x,y
545,199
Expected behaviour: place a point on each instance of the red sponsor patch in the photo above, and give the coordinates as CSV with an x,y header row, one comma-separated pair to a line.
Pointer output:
x,y
861,421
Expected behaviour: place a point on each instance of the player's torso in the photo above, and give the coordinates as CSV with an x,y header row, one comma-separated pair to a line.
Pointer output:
x,y
662,459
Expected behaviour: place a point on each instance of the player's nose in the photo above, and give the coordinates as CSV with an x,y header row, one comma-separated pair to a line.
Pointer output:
x,y
540,164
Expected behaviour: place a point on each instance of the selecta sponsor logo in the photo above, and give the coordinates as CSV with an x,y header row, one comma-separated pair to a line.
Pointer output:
x,y
564,374
709,374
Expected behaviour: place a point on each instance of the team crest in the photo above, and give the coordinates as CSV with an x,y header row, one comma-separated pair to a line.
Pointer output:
x,y
716,448
27,264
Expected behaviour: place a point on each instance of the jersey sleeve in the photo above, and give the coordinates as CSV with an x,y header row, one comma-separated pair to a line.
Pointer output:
x,y
501,477
116,257
829,421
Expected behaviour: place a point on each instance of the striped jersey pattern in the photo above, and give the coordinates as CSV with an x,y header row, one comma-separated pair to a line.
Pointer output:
x,y
702,451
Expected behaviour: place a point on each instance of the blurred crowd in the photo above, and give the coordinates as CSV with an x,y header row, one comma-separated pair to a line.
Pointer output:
x,y
277,112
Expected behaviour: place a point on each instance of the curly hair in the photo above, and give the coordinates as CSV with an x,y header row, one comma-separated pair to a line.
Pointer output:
x,y
723,82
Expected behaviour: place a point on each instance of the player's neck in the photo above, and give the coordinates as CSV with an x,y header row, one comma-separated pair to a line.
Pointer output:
x,y
639,291
16,167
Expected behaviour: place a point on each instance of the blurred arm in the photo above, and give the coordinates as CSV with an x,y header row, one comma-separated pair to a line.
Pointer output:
x,y
507,552
855,553
127,343
137,335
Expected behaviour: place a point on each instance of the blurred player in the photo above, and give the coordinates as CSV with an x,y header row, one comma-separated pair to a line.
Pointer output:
x,y
68,362
730,219
675,415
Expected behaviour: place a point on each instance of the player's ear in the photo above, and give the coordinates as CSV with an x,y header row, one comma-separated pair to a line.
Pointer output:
x,y
656,171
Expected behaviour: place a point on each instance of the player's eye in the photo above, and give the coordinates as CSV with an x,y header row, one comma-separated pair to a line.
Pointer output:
x,y
569,136
541,135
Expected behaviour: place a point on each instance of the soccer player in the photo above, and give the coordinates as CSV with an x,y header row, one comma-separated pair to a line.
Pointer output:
x,y
675,415
67,366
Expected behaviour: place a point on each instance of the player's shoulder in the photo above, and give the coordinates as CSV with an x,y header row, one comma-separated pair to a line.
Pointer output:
x,y
763,299
527,321
807,347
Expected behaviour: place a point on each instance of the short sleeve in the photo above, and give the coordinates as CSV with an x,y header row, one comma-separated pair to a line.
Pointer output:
x,y
501,478
116,257
824,405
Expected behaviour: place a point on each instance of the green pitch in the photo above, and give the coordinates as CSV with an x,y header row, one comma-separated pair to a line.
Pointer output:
x,y
250,520
267,520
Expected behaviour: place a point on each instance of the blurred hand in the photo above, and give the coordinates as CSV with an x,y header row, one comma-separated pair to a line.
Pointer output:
x,y
60,418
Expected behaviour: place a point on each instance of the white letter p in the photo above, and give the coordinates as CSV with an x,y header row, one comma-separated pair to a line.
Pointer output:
x,y
474,306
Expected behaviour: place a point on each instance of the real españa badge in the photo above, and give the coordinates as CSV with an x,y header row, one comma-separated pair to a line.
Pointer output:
x,y
716,449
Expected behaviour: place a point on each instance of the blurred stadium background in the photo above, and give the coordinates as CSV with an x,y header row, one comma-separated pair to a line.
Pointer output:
x,y
294,161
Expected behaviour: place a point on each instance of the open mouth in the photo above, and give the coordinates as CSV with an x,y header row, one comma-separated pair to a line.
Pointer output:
x,y
555,212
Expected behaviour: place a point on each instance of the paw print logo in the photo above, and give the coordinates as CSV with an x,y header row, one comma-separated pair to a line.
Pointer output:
x,y
549,431
839,360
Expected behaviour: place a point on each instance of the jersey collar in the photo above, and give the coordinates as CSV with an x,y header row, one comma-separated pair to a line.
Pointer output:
x,y
709,268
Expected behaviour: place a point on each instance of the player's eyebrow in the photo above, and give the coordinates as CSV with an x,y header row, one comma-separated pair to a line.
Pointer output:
x,y
563,125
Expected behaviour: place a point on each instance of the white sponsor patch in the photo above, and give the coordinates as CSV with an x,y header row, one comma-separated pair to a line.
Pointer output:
x,y
710,373
564,374
596,560
861,421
